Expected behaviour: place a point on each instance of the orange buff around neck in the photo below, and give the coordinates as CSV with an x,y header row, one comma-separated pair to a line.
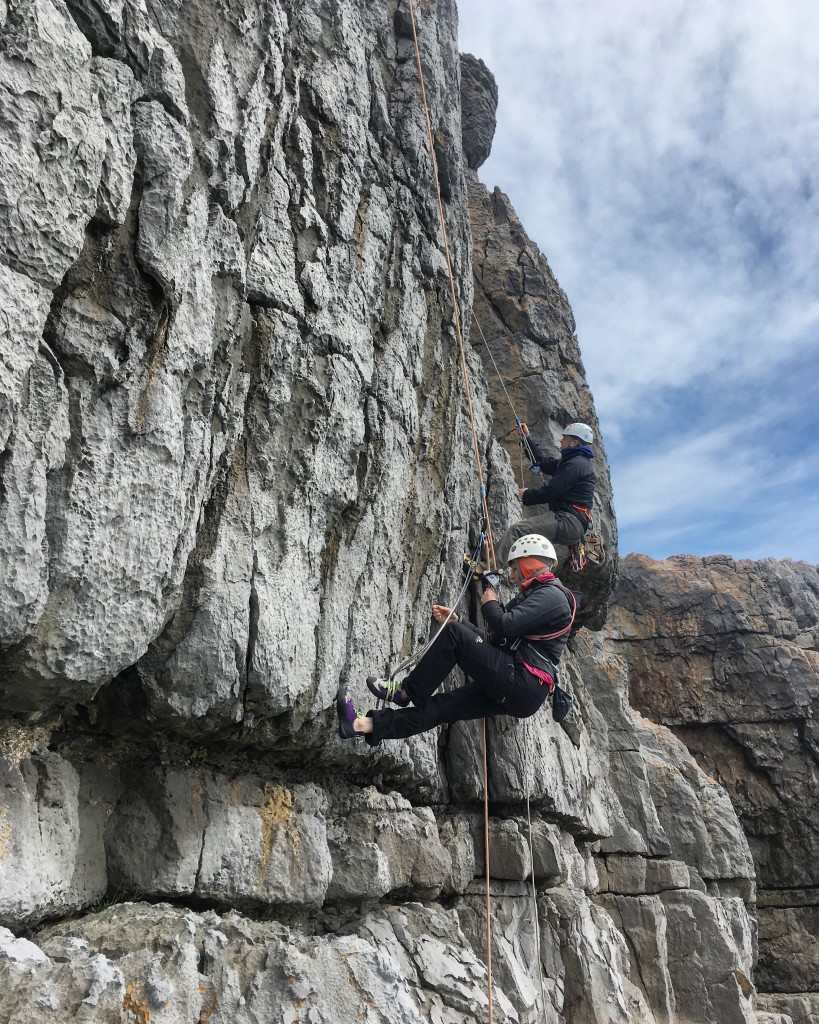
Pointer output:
x,y
531,567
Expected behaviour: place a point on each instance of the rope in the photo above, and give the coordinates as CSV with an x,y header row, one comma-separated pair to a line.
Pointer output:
x,y
489,542
524,440
413,658
498,374
535,920
486,860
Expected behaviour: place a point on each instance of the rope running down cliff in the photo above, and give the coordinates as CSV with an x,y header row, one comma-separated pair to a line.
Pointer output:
x,y
489,544
490,547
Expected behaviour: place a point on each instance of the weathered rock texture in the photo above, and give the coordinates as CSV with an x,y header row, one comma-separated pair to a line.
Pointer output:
x,y
235,470
727,655
479,98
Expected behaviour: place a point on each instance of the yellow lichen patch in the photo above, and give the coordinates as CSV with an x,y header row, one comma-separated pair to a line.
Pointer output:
x,y
208,1007
134,1002
277,810
5,831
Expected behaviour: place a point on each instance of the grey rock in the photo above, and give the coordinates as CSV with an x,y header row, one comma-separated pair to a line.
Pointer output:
x,y
634,823
380,844
52,141
406,964
115,91
533,984
232,841
456,838
787,898
800,1008
509,854
696,814
52,820
172,225
548,855
38,450
710,956
643,922
637,875
789,949
479,103
597,983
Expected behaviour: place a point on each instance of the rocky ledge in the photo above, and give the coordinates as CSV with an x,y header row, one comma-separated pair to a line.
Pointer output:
x,y
235,470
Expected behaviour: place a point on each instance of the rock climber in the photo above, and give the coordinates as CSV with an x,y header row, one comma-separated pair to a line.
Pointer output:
x,y
569,494
511,673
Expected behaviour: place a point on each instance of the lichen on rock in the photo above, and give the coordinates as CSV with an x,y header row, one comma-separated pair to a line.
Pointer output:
x,y
235,471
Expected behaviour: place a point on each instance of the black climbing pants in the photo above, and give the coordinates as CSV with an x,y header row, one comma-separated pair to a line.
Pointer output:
x,y
559,528
498,686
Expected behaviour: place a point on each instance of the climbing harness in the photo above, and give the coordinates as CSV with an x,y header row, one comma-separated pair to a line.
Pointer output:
x,y
590,547
560,700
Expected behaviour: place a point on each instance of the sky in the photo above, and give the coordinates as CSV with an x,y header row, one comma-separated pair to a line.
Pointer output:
x,y
665,159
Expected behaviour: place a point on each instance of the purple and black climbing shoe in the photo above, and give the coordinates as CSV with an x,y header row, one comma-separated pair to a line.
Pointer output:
x,y
386,689
347,714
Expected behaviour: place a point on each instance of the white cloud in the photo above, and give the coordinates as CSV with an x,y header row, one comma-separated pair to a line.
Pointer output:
x,y
666,159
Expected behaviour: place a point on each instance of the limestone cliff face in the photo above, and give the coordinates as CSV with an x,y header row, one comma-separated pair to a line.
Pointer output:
x,y
235,470
727,655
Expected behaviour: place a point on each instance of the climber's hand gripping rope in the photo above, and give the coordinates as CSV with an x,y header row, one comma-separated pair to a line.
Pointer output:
x,y
525,444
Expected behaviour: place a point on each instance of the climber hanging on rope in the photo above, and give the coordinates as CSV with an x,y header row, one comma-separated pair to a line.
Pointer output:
x,y
569,494
510,674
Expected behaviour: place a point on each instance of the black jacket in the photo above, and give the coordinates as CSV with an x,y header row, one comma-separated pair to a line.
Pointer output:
x,y
572,483
542,608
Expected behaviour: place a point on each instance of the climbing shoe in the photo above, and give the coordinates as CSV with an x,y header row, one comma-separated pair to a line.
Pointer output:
x,y
386,689
347,714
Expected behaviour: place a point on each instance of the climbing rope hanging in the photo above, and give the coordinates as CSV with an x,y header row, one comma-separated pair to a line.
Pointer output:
x,y
489,543
525,444
416,657
535,919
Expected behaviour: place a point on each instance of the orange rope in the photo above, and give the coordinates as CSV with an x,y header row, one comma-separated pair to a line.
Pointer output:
x,y
489,545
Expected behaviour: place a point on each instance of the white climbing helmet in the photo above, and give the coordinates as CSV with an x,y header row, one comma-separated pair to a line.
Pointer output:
x,y
533,545
581,430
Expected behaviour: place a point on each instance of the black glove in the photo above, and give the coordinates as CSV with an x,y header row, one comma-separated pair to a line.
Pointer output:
x,y
490,579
